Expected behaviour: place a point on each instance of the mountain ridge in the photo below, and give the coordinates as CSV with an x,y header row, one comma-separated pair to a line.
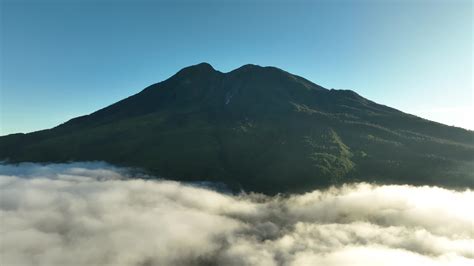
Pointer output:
x,y
258,128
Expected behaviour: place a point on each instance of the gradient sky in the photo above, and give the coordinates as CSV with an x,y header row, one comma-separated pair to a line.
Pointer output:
x,y
61,59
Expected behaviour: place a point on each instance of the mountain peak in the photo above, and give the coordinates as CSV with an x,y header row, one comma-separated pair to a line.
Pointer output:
x,y
203,65
253,67
258,128
198,68
249,66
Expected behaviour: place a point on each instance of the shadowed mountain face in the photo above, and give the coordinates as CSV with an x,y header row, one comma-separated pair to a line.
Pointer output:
x,y
259,129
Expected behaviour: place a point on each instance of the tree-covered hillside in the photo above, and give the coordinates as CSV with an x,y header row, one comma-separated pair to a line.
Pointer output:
x,y
259,129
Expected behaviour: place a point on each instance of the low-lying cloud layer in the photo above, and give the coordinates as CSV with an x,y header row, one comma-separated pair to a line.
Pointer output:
x,y
96,214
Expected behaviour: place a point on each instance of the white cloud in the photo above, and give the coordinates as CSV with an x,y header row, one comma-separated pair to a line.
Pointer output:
x,y
96,214
459,116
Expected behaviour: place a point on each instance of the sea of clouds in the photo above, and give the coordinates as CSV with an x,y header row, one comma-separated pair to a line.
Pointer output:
x,y
97,214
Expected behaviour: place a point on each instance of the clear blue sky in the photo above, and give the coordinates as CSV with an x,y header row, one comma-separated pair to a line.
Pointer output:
x,y
61,59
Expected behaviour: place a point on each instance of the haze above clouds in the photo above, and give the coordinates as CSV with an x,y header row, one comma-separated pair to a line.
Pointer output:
x,y
97,214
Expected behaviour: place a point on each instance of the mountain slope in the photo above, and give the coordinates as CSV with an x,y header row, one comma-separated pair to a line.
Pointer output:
x,y
260,129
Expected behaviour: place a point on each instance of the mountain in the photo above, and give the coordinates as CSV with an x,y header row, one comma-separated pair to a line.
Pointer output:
x,y
258,129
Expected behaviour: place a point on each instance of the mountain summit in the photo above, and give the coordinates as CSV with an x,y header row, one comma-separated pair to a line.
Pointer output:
x,y
258,129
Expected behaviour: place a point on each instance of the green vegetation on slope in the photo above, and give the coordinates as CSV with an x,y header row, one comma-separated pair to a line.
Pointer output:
x,y
258,129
